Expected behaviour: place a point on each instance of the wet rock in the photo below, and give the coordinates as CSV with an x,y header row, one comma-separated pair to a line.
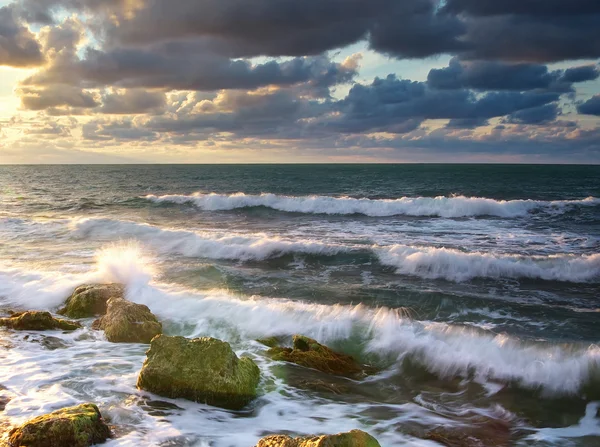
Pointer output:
x,y
354,438
127,322
311,354
271,342
79,426
4,397
91,300
200,369
48,342
37,321
490,432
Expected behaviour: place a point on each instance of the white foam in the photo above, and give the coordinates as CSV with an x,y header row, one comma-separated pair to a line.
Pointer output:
x,y
455,265
454,206
190,243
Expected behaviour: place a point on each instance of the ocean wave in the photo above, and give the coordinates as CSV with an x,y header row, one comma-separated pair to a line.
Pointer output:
x,y
422,261
442,206
443,349
193,244
456,265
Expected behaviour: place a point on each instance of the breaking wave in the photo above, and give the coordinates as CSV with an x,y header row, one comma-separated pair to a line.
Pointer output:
x,y
455,265
192,244
442,206
443,349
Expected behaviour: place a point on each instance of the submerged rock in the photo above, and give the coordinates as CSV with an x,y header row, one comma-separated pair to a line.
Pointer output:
x,y
79,426
354,438
200,369
127,322
37,321
490,432
90,300
311,354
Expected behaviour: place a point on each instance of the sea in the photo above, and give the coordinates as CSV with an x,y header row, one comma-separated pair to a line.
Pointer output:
x,y
474,291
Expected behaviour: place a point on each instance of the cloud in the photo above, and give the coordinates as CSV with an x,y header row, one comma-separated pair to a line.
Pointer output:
x,y
133,101
535,115
33,98
590,107
494,75
18,45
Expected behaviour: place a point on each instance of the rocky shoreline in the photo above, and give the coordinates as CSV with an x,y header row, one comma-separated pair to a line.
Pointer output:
x,y
203,370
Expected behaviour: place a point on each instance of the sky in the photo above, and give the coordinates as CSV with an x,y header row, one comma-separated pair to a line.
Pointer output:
x,y
272,81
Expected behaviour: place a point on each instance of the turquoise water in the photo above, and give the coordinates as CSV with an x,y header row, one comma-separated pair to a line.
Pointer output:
x,y
473,288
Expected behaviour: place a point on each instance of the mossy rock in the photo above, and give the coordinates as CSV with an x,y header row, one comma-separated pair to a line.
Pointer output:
x,y
127,322
354,438
90,300
201,369
79,426
37,321
271,342
311,354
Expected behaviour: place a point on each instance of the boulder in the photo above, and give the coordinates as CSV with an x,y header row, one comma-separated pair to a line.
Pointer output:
x,y
79,426
200,369
127,322
311,354
354,438
37,321
90,300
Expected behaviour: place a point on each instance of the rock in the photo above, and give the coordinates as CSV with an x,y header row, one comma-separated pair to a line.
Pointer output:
x,y
200,369
490,432
127,322
4,398
311,354
271,342
79,426
90,300
354,438
48,342
37,321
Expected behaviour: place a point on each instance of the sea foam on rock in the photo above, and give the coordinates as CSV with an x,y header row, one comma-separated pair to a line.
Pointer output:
x,y
79,426
127,322
200,369
90,300
311,354
37,321
354,438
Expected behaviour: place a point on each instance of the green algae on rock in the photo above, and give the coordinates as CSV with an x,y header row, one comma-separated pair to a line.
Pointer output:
x,y
201,369
37,321
354,438
90,300
127,322
311,354
79,426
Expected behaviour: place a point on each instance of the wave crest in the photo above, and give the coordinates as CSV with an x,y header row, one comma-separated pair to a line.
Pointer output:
x,y
441,206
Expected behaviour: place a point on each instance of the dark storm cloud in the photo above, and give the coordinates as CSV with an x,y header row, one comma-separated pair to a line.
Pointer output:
x,y
187,66
581,74
590,107
494,75
523,7
387,105
387,102
535,115
33,98
131,102
18,46
533,38
528,30
467,123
